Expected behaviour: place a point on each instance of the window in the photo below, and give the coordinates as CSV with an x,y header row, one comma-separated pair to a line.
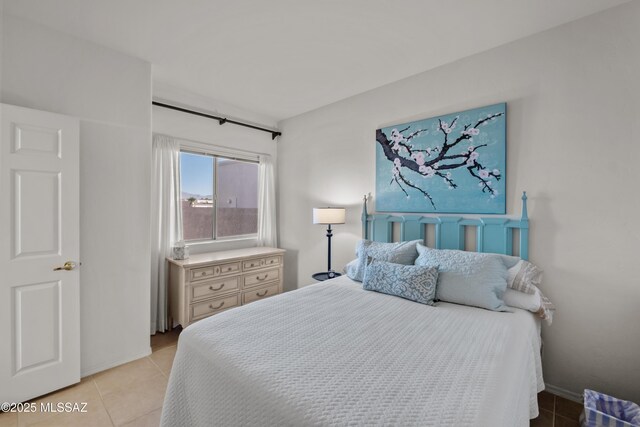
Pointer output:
x,y
219,196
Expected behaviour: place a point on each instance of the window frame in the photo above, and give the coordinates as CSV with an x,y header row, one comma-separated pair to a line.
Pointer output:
x,y
215,154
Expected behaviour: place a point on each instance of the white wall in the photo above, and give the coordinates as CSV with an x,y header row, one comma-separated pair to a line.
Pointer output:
x,y
110,93
573,97
210,133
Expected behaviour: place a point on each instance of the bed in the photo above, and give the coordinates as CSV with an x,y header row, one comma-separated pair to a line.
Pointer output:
x,y
334,354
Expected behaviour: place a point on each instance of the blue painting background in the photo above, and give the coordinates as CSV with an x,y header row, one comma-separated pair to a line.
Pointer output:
x,y
468,196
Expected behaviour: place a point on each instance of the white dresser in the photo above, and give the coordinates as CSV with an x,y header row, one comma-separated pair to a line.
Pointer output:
x,y
212,282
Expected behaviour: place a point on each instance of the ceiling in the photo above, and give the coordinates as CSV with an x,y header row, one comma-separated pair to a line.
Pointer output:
x,y
281,58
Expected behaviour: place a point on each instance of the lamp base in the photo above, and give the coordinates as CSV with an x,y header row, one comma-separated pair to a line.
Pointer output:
x,y
325,275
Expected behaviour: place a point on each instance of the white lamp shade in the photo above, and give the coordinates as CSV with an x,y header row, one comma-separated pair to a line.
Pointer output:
x,y
328,215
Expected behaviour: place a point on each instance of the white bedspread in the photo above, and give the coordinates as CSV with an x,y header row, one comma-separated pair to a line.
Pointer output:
x,y
334,354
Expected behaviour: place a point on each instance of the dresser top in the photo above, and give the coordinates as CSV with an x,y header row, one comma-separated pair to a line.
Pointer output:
x,y
222,256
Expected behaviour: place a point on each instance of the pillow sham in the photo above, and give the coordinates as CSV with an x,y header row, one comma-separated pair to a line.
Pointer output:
x,y
469,278
523,276
536,303
412,282
398,253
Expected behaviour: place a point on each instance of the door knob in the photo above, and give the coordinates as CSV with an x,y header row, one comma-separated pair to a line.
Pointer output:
x,y
68,266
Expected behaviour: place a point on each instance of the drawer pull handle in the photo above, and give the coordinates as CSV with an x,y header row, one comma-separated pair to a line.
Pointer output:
x,y
215,308
258,294
253,265
216,289
217,270
229,268
262,278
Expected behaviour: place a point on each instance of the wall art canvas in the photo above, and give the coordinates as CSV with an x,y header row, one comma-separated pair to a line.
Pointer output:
x,y
454,163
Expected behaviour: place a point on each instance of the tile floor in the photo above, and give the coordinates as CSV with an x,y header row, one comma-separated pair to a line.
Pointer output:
x,y
132,395
556,411
128,395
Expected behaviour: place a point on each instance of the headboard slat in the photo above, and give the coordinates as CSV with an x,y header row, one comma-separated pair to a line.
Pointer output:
x,y
497,237
450,233
382,227
411,228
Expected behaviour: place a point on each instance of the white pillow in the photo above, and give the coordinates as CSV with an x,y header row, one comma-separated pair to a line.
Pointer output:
x,y
535,302
523,300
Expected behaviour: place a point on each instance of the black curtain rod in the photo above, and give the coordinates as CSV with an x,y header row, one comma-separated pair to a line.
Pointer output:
x,y
221,120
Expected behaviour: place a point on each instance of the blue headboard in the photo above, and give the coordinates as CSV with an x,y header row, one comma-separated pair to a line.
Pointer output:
x,y
494,234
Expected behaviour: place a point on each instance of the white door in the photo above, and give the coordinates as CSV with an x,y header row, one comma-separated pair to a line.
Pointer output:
x,y
39,232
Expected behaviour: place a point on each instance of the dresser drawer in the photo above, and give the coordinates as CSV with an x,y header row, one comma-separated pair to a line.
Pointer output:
x,y
230,268
211,289
272,261
256,263
259,293
252,264
204,273
209,307
261,277
208,272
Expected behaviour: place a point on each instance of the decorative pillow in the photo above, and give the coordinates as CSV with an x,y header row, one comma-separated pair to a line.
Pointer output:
x,y
523,275
468,278
536,303
412,282
351,268
398,253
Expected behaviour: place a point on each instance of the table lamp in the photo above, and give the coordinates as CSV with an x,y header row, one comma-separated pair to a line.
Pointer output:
x,y
328,216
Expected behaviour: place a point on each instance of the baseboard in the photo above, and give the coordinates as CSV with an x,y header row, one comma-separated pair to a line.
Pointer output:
x,y
558,391
99,368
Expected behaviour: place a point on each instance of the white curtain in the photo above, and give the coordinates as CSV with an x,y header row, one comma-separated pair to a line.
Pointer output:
x,y
166,222
267,232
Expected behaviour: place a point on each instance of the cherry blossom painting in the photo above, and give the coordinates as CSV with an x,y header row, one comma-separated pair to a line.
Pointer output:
x,y
453,163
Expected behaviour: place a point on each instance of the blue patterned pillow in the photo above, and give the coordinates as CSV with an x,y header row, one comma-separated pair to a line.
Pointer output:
x,y
413,282
469,278
398,253
351,268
